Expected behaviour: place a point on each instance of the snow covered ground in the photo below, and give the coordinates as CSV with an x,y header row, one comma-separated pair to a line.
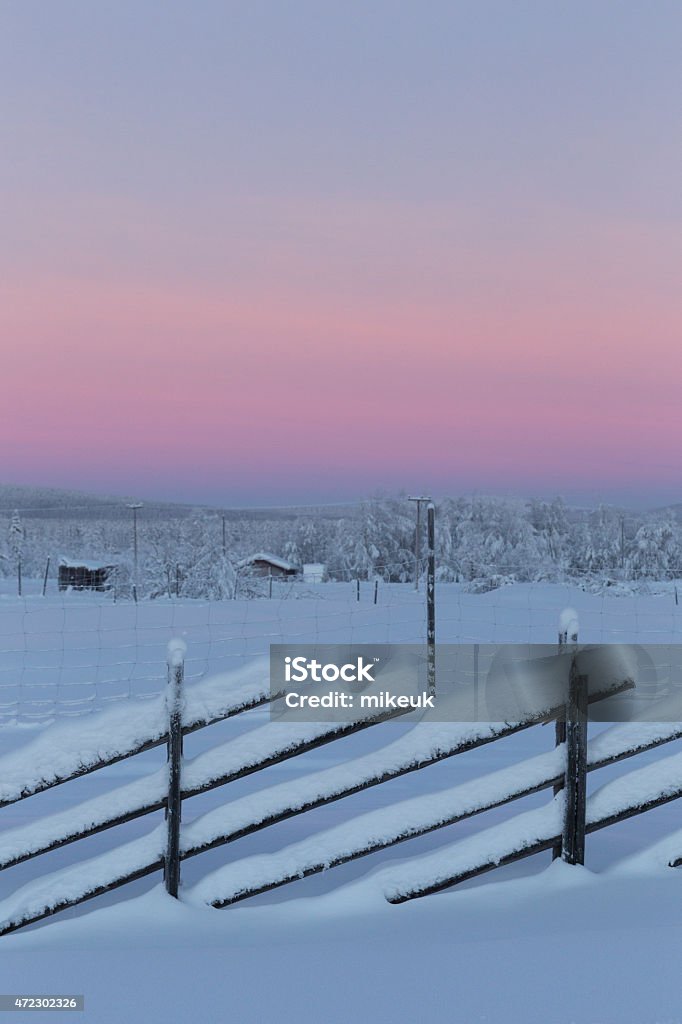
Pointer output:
x,y
565,946
65,654
532,942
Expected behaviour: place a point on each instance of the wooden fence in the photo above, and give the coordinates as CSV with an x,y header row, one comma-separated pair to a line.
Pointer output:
x,y
563,769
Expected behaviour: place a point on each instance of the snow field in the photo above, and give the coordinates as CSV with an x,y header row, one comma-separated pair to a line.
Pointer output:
x,y
65,655
461,934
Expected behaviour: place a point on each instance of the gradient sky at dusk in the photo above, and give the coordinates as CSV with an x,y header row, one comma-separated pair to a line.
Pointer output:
x,y
302,251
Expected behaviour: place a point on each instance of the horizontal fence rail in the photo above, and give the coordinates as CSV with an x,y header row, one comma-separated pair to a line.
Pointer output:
x,y
95,816
498,857
562,823
150,730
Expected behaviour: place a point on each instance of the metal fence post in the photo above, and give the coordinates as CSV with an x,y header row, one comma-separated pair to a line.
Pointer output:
x,y
431,597
573,840
176,674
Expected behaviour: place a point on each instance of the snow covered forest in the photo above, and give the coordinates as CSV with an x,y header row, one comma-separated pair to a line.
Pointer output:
x,y
482,542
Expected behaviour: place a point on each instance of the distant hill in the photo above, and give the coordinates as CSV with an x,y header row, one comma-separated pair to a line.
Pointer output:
x,y
53,502
675,509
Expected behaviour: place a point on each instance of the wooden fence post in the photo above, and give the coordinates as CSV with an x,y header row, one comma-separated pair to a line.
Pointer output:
x,y
431,597
47,569
567,630
176,674
573,840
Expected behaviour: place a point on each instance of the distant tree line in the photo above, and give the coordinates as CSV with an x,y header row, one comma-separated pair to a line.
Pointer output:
x,y
480,542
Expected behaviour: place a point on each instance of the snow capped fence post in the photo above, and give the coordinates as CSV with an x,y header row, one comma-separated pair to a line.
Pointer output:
x,y
431,597
568,629
573,840
176,674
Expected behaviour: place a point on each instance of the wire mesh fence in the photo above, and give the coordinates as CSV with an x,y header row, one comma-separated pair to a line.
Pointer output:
x,y
80,630
68,653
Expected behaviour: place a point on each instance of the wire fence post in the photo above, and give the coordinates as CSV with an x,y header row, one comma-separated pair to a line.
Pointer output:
x,y
357,589
47,569
573,840
176,674
568,630
431,597
376,590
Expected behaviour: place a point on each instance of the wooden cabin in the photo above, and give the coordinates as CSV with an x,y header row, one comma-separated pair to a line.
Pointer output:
x,y
85,574
264,564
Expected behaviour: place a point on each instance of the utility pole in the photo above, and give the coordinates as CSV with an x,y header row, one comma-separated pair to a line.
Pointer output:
x,y
135,506
422,499
224,539
622,542
431,597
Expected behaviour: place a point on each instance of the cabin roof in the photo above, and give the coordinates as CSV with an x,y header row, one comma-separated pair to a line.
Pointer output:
x,y
264,556
91,564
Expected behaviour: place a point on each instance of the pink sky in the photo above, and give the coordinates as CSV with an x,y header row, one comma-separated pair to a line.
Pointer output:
x,y
478,372
467,279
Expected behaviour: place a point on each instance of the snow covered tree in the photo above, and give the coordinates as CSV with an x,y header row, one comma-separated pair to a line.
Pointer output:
x,y
656,549
600,542
16,538
553,534
16,546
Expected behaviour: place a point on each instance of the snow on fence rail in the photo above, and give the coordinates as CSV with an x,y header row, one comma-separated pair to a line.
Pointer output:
x,y
118,733
109,737
535,831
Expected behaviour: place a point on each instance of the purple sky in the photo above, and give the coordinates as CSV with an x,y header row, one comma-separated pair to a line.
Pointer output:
x,y
300,252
